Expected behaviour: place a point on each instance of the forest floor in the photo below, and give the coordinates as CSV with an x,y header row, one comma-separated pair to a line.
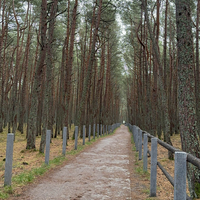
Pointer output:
x,y
107,169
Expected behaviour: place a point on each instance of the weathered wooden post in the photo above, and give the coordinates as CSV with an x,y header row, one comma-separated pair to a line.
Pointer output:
x,y
137,139
97,130
153,178
64,140
145,153
83,134
140,144
9,159
133,132
89,133
48,139
180,174
76,137
94,132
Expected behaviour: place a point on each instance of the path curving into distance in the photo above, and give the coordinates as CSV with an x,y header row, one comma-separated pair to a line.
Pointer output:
x,y
99,173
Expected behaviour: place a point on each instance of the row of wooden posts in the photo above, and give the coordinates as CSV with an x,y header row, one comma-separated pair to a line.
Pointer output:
x,y
180,170
97,131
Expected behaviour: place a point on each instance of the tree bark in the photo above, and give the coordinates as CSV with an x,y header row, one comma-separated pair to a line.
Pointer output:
x,y
48,99
69,62
197,84
186,92
31,127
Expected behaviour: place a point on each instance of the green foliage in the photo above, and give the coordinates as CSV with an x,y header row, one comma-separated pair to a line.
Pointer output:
x,y
146,191
3,195
40,171
197,189
139,170
8,190
23,178
74,152
57,160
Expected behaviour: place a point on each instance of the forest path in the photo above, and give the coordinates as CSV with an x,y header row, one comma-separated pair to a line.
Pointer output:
x,y
101,172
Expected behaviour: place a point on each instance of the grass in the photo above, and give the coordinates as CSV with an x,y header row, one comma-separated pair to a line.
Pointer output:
x,y
3,194
27,177
146,191
36,167
2,165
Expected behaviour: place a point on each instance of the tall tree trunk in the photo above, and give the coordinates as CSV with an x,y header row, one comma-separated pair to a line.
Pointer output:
x,y
90,64
69,62
47,114
186,94
24,90
3,32
31,128
197,84
160,79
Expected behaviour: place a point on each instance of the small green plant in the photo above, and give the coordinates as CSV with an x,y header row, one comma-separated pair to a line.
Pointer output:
x,y
8,190
146,191
40,171
136,155
3,195
23,178
147,173
139,170
57,160
137,163
197,189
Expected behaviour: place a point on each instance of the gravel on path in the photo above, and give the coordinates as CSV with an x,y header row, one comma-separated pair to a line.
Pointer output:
x,y
99,173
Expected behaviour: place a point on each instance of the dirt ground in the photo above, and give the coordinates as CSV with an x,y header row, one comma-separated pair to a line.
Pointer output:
x,y
103,171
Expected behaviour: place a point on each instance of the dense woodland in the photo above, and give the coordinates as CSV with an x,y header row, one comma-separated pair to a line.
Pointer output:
x,y
101,62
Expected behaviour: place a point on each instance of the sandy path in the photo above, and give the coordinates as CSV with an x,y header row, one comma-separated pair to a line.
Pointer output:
x,y
101,172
